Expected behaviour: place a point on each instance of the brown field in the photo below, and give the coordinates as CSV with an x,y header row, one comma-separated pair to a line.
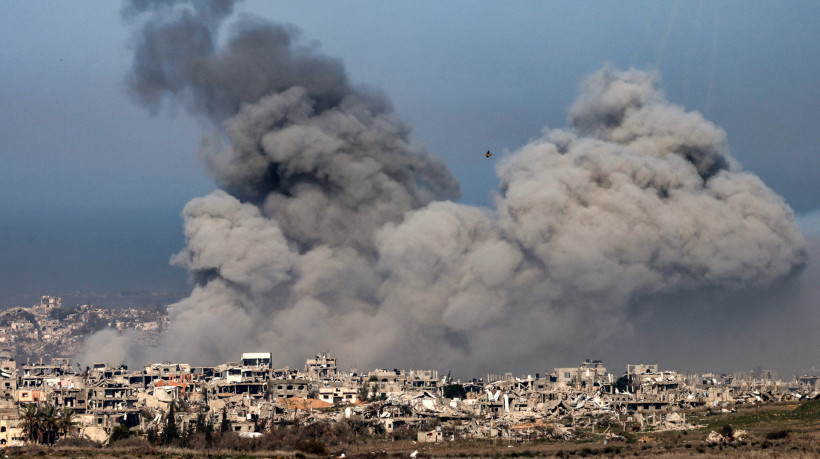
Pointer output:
x,y
775,431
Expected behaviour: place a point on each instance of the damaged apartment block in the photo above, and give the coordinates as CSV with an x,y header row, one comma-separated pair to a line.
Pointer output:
x,y
253,395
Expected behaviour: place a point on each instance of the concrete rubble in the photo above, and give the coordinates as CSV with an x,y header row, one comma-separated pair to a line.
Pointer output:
x,y
254,396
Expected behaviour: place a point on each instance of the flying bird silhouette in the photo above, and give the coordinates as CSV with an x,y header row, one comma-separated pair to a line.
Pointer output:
x,y
489,154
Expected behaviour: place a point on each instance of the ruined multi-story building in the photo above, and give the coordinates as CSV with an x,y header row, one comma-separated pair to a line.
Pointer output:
x,y
253,394
321,367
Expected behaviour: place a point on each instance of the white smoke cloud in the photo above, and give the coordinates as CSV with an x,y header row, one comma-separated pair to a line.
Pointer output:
x,y
332,232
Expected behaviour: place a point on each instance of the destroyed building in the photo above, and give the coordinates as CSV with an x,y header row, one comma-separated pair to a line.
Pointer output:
x,y
252,393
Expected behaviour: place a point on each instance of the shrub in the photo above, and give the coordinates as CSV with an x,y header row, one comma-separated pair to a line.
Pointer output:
x,y
315,447
777,435
132,444
231,441
76,442
403,432
25,451
119,433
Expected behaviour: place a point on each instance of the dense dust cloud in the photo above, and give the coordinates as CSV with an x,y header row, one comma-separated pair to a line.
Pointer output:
x,y
331,231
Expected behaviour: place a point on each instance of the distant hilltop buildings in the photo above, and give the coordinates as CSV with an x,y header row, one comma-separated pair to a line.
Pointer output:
x,y
49,329
50,302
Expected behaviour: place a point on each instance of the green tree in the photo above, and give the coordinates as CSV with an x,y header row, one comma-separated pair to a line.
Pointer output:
x,y
454,391
119,432
225,425
30,422
623,383
209,432
152,436
373,391
48,424
171,432
40,425
187,435
200,422
66,422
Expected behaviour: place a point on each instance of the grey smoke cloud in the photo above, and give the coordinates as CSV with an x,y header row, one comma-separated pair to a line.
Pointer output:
x,y
640,206
331,231
177,57
628,108
774,326
326,177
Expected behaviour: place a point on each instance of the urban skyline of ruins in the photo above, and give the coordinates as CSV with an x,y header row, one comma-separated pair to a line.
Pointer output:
x,y
643,210
251,397
48,332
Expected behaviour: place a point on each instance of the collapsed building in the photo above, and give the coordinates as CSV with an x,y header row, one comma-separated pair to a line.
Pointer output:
x,y
253,396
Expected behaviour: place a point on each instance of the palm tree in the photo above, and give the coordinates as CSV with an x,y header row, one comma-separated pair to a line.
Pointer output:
x,y
66,422
48,423
30,422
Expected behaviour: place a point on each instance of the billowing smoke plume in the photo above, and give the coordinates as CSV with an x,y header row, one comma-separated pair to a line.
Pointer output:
x,y
330,231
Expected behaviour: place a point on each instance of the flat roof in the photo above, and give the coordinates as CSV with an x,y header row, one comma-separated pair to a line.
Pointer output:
x,y
255,355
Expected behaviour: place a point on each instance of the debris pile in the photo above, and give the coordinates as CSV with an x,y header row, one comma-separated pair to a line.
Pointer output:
x,y
252,396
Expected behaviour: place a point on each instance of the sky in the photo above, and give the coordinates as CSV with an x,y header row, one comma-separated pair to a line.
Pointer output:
x,y
92,186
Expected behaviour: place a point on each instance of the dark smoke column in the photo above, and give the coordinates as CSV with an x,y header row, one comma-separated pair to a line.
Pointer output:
x,y
327,161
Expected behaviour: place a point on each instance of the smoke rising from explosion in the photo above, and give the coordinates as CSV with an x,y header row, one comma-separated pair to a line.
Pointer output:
x,y
331,231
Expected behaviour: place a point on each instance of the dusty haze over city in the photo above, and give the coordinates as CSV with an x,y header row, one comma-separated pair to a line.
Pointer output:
x,y
651,196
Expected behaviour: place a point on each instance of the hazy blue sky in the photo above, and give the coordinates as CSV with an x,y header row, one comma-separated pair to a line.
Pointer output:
x,y
91,186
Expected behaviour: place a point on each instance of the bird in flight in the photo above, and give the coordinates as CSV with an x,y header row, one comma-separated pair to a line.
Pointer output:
x,y
489,154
